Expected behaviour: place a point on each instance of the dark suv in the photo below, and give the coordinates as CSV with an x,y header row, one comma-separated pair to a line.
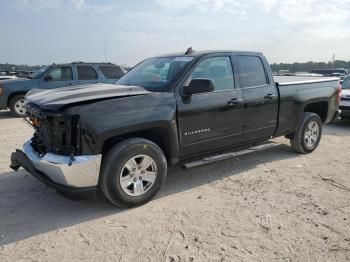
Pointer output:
x,y
12,92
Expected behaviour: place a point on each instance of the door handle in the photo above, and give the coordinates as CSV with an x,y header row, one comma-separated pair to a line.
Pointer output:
x,y
270,96
234,101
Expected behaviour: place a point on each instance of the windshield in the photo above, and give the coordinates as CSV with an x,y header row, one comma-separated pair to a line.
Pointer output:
x,y
346,83
39,72
155,74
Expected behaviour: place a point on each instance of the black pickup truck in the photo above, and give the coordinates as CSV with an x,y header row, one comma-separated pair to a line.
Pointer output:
x,y
186,108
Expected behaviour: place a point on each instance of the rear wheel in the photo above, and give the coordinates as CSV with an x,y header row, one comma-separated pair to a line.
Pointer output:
x,y
308,135
17,106
132,172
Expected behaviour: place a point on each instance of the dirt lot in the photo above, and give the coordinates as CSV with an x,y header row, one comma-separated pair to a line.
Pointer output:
x,y
275,205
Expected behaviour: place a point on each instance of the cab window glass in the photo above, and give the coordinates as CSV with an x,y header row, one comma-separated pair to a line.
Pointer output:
x,y
86,73
251,71
219,69
156,74
61,74
112,72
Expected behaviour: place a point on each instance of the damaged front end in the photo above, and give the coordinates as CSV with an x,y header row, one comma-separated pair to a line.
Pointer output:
x,y
53,155
55,133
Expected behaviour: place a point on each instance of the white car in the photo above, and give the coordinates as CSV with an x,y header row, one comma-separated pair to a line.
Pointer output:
x,y
7,77
344,105
340,75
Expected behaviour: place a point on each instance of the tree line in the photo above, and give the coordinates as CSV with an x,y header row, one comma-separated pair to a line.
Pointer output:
x,y
10,67
308,66
293,67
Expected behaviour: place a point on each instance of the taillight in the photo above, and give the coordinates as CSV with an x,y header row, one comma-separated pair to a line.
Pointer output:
x,y
339,94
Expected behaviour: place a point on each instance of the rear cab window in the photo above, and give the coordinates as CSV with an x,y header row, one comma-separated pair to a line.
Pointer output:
x,y
86,73
251,71
112,72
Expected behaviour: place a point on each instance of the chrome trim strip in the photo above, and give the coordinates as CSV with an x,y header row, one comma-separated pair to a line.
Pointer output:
x,y
308,81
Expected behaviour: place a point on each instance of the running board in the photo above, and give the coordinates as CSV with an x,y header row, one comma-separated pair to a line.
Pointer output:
x,y
227,155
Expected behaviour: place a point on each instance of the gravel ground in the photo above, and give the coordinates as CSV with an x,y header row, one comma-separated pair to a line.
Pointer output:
x,y
268,206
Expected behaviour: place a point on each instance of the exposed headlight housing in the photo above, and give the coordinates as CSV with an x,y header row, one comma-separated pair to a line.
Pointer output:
x,y
35,122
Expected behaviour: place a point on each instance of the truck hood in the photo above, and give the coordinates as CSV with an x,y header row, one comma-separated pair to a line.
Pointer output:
x,y
56,99
19,82
12,80
60,98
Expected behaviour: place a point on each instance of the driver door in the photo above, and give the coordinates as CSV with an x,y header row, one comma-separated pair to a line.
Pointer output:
x,y
212,120
58,77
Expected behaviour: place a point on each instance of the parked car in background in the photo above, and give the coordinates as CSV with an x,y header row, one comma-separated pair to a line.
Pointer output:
x,y
22,73
306,74
329,72
340,75
12,91
5,77
16,73
345,99
284,73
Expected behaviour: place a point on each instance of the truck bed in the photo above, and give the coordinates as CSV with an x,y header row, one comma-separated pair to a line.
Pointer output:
x,y
297,90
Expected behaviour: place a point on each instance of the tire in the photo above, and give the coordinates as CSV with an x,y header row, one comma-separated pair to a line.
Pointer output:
x,y
16,106
121,178
308,135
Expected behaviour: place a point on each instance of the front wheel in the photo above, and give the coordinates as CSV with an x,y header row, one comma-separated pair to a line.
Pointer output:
x,y
132,172
308,135
17,106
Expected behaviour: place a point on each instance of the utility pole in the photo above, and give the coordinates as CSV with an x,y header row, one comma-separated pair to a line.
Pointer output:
x,y
333,59
105,50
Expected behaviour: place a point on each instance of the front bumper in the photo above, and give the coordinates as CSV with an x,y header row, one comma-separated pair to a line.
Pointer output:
x,y
345,112
336,115
75,177
3,102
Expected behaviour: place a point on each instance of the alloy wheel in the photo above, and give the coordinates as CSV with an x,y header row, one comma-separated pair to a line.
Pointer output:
x,y
312,132
138,175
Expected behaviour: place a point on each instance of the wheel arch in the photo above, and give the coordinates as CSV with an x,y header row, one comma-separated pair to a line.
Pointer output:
x,y
161,136
12,95
320,108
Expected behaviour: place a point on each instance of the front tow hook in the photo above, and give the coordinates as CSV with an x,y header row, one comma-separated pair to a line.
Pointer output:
x,y
15,165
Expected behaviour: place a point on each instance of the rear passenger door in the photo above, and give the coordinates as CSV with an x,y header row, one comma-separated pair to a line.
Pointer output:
x,y
260,98
86,75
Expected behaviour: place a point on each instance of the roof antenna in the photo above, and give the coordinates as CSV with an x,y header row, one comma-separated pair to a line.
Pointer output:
x,y
189,51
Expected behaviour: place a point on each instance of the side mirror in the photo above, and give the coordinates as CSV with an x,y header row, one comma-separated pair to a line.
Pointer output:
x,y
48,78
199,86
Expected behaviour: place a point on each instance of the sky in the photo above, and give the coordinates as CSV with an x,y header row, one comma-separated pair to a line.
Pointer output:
x,y
47,31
